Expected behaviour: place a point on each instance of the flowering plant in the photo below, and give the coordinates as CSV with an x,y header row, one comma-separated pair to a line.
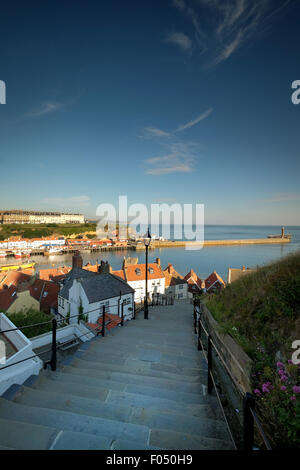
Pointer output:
x,y
277,392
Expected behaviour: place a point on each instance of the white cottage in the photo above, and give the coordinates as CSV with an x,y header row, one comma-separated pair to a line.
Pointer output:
x,y
87,292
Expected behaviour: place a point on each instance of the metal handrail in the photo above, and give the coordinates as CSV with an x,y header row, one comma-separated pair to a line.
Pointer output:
x,y
249,400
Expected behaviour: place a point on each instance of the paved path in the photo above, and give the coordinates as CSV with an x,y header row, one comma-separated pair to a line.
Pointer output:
x,y
140,387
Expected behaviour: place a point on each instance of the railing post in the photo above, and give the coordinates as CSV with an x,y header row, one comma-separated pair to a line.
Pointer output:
x,y
103,321
122,314
52,361
133,311
199,335
195,320
249,402
209,365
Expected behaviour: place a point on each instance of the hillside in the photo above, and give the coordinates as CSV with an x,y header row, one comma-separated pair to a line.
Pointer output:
x,y
262,313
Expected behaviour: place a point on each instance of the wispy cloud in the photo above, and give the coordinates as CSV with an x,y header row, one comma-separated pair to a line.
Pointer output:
x,y
67,202
221,27
154,132
181,40
179,158
44,108
284,197
192,123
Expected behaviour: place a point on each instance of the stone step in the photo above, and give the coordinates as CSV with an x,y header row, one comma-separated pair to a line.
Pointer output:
x,y
69,440
136,415
144,368
90,387
121,444
25,436
94,368
141,336
68,421
181,441
133,350
204,427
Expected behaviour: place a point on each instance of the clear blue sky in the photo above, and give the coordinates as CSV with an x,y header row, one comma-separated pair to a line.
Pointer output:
x,y
162,101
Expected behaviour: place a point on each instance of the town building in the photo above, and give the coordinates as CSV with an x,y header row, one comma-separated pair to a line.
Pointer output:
x,y
21,291
195,285
175,284
34,217
135,275
234,273
85,292
213,283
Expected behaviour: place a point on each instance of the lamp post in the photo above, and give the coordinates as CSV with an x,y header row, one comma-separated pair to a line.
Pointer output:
x,y
147,242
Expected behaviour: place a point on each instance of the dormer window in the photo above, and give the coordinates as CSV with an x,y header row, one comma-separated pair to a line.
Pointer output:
x,y
151,271
138,271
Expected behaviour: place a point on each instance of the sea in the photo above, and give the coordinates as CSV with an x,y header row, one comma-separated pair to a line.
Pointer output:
x,y
202,261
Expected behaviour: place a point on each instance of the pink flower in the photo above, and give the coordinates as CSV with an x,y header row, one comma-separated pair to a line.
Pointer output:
x,y
279,364
257,391
290,361
293,398
265,387
283,378
296,389
283,388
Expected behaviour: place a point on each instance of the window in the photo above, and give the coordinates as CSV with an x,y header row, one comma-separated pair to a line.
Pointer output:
x,y
104,304
180,286
151,271
127,301
138,271
180,296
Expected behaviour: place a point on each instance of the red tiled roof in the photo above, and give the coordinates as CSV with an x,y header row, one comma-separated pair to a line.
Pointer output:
x,y
45,292
7,297
14,278
54,274
212,279
119,273
131,274
193,280
172,276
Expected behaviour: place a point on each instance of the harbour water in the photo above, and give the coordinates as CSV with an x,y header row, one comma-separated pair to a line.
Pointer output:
x,y
203,261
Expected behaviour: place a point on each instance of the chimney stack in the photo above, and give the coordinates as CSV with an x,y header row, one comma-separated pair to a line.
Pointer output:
x,y
77,261
104,268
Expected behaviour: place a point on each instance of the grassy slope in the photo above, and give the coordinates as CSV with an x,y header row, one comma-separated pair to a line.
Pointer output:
x,y
263,307
262,312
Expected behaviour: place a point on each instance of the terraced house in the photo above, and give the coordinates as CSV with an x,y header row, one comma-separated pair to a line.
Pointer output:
x,y
88,292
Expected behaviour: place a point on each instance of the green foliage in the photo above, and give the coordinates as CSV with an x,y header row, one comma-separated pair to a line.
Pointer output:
x,y
261,312
29,318
44,230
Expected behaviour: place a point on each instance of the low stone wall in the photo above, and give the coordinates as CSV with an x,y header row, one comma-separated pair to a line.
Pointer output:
x,y
237,361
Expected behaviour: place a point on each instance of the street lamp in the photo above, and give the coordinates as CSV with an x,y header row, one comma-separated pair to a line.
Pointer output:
x,y
147,242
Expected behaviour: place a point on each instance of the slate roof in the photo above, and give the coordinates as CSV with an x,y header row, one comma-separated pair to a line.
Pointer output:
x,y
97,286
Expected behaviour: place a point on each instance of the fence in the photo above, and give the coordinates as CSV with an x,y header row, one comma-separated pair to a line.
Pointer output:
x,y
250,418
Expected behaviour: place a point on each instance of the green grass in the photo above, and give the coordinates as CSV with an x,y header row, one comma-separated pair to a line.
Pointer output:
x,y
43,230
261,312
262,306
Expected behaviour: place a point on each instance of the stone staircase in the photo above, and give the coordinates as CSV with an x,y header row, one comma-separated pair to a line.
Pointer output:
x,y
140,387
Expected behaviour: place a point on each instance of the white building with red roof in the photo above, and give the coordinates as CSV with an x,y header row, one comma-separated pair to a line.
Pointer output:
x,y
135,276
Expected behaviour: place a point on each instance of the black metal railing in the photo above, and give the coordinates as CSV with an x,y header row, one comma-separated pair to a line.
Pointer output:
x,y
53,361
250,418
